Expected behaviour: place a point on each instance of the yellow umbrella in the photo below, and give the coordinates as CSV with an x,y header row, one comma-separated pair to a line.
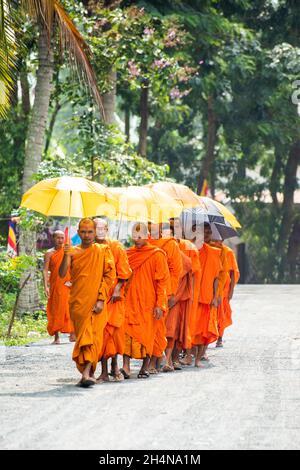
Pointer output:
x,y
188,199
70,196
223,211
179,192
143,204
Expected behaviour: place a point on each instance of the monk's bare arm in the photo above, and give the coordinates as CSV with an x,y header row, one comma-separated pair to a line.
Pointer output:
x,y
215,287
46,271
232,285
66,262
116,296
161,277
109,275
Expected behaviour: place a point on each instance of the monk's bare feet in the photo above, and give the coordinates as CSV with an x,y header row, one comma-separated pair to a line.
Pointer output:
x,y
219,343
102,378
187,360
168,368
72,338
198,364
116,373
56,339
87,381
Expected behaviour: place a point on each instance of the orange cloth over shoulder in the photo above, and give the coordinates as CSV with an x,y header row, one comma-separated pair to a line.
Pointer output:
x,y
232,268
178,319
170,247
223,279
92,275
58,303
114,332
204,323
147,289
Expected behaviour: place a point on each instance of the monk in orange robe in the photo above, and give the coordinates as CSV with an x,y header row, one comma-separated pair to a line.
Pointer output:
x,y
93,272
204,323
223,276
59,291
233,274
114,333
146,299
174,259
185,295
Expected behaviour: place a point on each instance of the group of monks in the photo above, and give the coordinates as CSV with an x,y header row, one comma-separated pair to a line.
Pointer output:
x,y
162,301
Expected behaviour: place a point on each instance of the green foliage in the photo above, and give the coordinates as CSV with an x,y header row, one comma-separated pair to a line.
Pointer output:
x,y
27,329
11,270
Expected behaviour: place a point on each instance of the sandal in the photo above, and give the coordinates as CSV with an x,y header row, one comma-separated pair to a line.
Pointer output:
x,y
118,377
124,373
153,371
86,383
177,366
167,368
143,374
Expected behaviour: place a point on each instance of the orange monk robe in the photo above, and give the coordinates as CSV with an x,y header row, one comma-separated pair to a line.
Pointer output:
x,y
114,332
232,267
147,289
177,322
58,303
190,250
204,323
171,248
92,275
223,279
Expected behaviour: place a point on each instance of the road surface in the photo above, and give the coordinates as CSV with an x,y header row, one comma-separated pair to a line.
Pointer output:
x,y
247,397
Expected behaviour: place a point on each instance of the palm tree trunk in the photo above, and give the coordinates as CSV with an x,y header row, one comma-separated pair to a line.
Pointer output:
x,y
29,298
38,121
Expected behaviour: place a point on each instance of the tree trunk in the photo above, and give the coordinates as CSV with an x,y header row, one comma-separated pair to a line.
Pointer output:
x,y
127,124
109,99
29,298
55,112
293,255
37,125
208,159
25,91
144,113
290,184
275,178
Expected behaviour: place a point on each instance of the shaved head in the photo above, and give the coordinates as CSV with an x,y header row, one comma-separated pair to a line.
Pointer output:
x,y
140,234
101,229
58,238
87,221
87,232
58,233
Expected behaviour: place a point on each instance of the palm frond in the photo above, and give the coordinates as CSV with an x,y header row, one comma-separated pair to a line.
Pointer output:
x,y
43,12
78,51
7,58
71,41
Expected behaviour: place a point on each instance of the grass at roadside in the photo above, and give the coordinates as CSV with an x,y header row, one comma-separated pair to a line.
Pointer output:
x,y
28,329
